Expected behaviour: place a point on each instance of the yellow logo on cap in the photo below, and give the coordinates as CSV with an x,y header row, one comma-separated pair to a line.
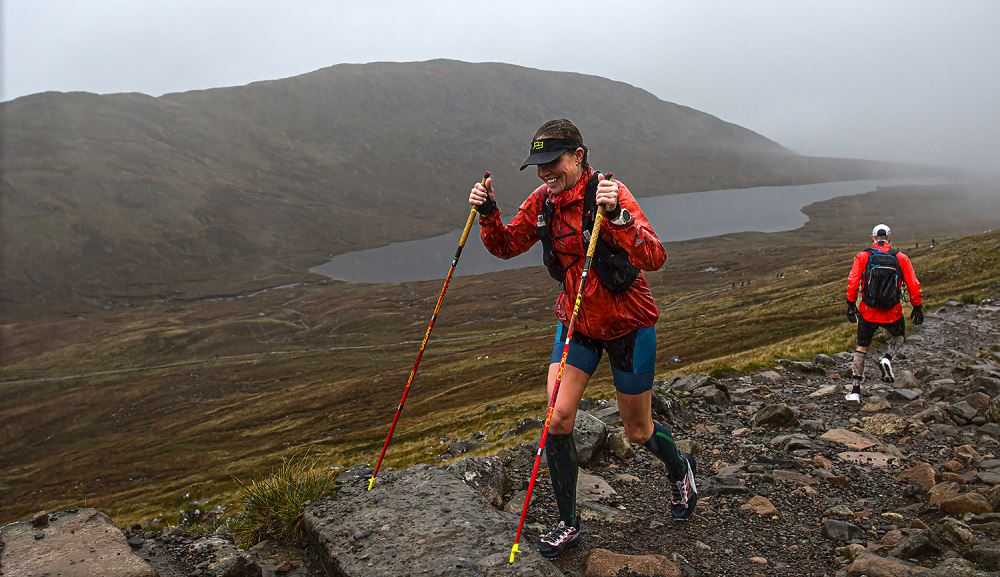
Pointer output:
x,y
537,145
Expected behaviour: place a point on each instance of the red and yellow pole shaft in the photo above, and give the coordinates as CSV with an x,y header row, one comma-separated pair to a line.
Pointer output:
x,y
598,220
427,336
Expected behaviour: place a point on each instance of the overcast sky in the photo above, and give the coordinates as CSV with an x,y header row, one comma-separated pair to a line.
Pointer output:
x,y
912,80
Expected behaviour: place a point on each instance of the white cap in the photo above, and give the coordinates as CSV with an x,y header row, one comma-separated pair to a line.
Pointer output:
x,y
881,230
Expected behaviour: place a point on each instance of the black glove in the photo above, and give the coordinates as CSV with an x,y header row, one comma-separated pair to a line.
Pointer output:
x,y
852,312
487,207
917,315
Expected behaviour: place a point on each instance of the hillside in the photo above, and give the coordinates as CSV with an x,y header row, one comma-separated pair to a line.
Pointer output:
x,y
106,198
128,409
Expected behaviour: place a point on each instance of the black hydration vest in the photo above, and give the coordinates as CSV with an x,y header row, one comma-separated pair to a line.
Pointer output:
x,y
881,279
611,264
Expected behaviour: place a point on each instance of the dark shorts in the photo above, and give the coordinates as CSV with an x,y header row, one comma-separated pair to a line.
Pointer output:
x,y
866,330
632,357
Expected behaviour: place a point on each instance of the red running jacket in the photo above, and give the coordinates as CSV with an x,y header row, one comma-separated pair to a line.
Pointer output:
x,y
603,314
855,280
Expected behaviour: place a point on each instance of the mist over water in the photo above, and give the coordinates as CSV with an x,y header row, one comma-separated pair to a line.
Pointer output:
x,y
674,217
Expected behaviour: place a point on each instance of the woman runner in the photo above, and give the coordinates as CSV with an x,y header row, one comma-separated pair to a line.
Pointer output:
x,y
617,315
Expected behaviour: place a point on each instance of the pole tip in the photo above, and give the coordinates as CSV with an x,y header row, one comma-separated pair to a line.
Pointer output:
x,y
513,550
371,482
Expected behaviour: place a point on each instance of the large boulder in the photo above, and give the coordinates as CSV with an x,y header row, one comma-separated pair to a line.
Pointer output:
x,y
591,436
488,475
82,542
775,416
418,521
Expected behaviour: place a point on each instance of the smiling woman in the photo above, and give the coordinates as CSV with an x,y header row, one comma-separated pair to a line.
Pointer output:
x,y
614,313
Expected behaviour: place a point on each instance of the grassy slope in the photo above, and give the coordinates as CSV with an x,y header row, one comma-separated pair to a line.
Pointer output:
x,y
320,367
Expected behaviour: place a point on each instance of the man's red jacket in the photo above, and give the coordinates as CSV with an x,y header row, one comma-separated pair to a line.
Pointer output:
x,y
603,314
855,281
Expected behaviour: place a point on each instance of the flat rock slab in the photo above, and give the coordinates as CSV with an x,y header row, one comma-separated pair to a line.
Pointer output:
x,y
849,439
871,458
77,543
419,521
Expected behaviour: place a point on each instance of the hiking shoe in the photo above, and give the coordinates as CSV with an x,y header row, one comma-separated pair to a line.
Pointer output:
x,y
684,493
561,537
885,365
855,394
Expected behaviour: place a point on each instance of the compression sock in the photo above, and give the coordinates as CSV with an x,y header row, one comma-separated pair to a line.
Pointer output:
x,y
661,443
560,453
858,364
895,346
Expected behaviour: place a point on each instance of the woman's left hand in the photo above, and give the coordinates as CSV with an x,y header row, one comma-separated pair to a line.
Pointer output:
x,y
607,195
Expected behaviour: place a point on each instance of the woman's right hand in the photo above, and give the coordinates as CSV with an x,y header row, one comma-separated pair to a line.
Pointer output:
x,y
481,197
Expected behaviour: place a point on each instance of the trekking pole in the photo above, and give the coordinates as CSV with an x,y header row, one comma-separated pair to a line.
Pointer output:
x,y
430,327
598,220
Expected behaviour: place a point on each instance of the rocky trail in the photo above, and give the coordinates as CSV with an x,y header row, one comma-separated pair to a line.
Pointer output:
x,y
793,481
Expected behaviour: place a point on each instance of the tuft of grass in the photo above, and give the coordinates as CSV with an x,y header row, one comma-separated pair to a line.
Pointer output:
x,y
271,507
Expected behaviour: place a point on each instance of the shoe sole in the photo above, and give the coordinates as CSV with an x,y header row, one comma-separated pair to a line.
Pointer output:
x,y
852,397
887,374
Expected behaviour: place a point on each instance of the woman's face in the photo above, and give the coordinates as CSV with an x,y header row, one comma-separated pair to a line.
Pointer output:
x,y
562,173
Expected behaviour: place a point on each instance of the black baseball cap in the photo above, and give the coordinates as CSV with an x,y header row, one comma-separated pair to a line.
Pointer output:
x,y
545,150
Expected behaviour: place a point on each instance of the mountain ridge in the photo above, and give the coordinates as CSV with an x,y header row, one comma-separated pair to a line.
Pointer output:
x,y
127,195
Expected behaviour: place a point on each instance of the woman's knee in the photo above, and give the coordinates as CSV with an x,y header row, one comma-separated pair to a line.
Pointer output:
x,y
562,421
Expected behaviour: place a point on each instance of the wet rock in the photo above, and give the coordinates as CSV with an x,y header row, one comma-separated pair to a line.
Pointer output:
x,y
931,415
825,390
870,458
849,439
223,559
770,376
965,503
713,394
619,446
903,394
591,436
842,531
922,475
978,401
875,566
993,412
987,385
419,521
590,487
825,360
943,491
884,424
689,383
761,506
721,485
775,416
487,475
604,563
84,536
962,412
608,415
40,520
356,474
876,405
907,380
948,533
804,367
986,555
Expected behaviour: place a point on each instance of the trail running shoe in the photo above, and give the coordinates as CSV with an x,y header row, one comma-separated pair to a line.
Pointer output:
x,y
885,365
684,493
855,394
561,537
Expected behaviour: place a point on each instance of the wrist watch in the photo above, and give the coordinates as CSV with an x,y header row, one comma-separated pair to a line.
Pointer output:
x,y
624,218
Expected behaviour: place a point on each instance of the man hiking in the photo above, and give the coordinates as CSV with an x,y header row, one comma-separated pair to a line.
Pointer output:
x,y
618,314
877,278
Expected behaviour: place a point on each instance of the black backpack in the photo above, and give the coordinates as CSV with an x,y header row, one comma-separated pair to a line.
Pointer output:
x,y
611,264
881,280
